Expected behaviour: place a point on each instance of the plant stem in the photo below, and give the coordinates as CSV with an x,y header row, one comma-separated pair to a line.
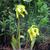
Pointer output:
x,y
18,31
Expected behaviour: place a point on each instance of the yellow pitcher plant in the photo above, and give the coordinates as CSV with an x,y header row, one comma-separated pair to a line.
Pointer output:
x,y
20,10
33,32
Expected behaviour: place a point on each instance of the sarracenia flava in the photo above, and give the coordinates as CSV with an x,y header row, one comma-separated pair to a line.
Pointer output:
x,y
20,10
33,32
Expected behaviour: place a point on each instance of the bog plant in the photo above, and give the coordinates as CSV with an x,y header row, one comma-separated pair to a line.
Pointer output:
x,y
20,10
33,32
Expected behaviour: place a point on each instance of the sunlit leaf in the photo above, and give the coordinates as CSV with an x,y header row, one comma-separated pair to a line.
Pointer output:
x,y
44,21
27,0
14,42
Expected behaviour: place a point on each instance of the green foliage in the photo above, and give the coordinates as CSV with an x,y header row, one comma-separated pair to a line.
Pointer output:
x,y
44,21
12,25
42,8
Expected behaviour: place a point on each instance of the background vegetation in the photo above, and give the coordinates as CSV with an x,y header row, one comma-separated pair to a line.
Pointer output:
x,y
38,14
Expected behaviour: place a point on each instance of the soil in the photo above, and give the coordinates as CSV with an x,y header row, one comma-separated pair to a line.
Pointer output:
x,y
42,46
5,48
38,46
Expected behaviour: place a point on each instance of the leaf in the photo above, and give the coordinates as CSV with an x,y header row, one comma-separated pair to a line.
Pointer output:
x,y
27,0
39,3
13,46
14,42
21,36
44,8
